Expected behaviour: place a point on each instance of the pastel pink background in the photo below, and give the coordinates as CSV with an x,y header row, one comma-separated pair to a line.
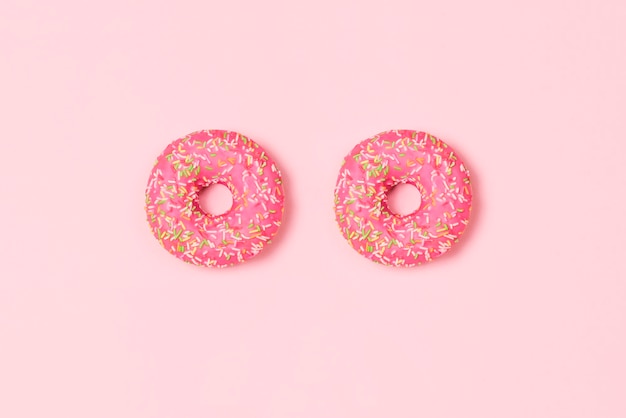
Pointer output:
x,y
526,318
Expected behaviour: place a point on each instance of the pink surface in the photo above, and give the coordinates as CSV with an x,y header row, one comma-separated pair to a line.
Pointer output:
x,y
525,318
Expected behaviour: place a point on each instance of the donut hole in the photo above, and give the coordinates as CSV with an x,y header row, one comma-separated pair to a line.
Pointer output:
x,y
404,199
215,199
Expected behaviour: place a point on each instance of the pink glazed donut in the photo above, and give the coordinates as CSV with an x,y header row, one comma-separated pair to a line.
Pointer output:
x,y
196,161
378,164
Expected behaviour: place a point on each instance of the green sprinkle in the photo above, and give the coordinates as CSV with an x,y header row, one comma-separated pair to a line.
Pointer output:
x,y
181,248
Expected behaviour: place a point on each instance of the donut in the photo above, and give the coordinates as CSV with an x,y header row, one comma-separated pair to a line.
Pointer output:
x,y
200,159
378,164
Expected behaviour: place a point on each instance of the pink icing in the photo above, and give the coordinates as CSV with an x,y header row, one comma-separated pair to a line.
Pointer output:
x,y
192,163
378,164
